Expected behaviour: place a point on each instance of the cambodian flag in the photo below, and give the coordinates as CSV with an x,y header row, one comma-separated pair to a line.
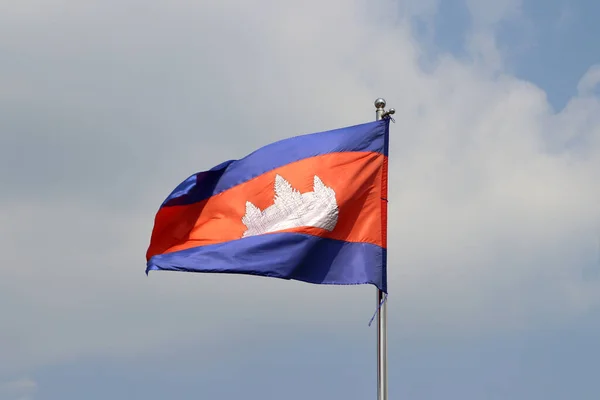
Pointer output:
x,y
311,208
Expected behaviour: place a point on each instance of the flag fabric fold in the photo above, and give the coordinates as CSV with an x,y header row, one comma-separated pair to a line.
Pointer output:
x,y
312,208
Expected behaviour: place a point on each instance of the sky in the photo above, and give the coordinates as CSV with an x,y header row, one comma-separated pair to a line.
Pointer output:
x,y
494,224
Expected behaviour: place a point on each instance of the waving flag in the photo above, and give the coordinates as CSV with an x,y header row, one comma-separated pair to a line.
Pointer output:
x,y
312,208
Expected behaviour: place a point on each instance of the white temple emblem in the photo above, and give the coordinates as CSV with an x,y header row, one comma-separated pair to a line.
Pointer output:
x,y
292,209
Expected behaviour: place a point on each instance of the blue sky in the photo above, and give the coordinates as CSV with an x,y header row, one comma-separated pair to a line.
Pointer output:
x,y
546,45
494,223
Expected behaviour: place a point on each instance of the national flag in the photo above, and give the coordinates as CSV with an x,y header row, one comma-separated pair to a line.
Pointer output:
x,y
312,208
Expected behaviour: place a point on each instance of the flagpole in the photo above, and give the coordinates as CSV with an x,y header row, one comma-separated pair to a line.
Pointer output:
x,y
382,384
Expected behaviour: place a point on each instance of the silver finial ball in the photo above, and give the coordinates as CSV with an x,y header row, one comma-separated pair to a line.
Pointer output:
x,y
379,103
392,111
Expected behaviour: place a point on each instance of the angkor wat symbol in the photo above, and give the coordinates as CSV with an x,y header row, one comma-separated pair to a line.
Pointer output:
x,y
292,209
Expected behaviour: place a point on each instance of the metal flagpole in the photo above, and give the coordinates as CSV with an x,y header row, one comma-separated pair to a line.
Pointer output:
x,y
382,386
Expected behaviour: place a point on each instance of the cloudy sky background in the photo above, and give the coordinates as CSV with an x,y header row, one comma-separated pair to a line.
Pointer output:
x,y
494,241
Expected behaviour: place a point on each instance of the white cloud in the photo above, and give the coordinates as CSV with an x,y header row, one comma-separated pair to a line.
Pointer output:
x,y
493,209
589,82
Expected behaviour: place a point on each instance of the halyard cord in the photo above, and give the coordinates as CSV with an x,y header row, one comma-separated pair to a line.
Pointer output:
x,y
378,308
